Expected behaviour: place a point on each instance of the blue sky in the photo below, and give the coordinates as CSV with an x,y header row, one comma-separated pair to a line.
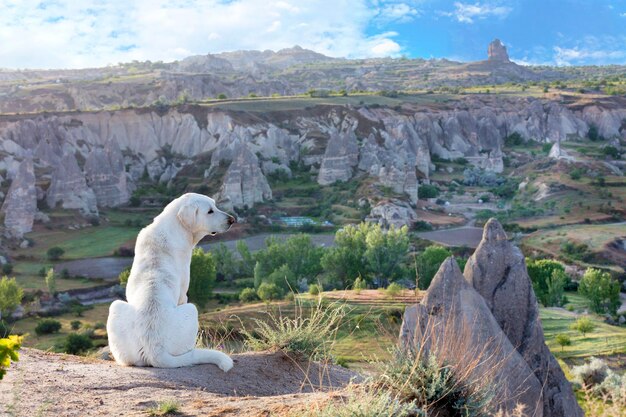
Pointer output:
x,y
88,33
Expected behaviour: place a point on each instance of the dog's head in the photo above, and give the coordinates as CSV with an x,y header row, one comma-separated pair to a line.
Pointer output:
x,y
199,214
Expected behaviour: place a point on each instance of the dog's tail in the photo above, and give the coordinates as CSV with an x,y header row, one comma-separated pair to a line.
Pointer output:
x,y
163,359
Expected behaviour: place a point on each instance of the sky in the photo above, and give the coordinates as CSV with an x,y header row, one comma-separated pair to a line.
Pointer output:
x,y
92,33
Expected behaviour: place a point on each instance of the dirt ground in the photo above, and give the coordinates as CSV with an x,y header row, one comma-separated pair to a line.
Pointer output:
x,y
260,384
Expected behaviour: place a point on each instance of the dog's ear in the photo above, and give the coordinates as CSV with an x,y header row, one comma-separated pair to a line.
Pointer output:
x,y
187,215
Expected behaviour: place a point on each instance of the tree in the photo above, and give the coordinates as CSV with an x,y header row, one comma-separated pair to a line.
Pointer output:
x,y
385,252
11,295
51,281
248,295
123,277
359,284
269,292
601,290
428,263
549,280
246,265
563,340
583,325
201,277
344,262
55,253
225,264
283,278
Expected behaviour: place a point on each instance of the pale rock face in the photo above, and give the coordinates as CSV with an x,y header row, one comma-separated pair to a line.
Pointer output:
x,y
497,52
69,188
454,323
497,270
340,158
244,182
392,213
106,175
20,205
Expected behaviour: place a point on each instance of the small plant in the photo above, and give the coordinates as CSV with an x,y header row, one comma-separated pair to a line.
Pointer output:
x,y
563,340
8,352
55,253
583,325
314,289
75,344
248,295
75,324
11,295
268,292
591,373
359,285
123,277
310,336
47,326
165,408
393,290
51,281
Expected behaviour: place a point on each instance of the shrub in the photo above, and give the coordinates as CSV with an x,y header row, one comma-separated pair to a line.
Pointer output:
x,y
311,336
591,373
8,352
427,191
7,268
583,325
576,174
75,344
123,277
514,139
248,295
51,281
593,134
55,253
269,292
393,290
601,290
563,340
359,284
47,326
75,324
11,295
222,96
314,289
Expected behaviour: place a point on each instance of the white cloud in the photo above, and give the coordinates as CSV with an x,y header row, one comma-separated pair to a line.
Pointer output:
x,y
468,13
592,50
623,14
71,34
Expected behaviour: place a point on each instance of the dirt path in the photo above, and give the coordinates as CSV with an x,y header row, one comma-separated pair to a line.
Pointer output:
x,y
260,384
460,236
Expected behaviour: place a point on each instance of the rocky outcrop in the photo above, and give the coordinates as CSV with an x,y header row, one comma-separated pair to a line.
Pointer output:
x,y
244,183
340,158
454,323
497,270
106,175
68,188
497,51
392,213
20,204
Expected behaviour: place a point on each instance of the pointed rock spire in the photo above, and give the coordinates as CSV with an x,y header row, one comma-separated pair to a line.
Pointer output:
x,y
497,270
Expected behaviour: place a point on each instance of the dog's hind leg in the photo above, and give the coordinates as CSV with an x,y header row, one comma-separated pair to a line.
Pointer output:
x,y
183,325
122,338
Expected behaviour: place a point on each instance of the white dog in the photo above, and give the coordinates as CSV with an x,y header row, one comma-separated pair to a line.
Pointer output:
x,y
157,327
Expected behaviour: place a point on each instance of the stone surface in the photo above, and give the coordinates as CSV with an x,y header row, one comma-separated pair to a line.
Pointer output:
x,y
497,270
340,158
244,183
497,51
106,175
20,205
68,188
454,323
392,213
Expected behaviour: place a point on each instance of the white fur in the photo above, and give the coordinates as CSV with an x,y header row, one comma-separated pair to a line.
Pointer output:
x,y
156,326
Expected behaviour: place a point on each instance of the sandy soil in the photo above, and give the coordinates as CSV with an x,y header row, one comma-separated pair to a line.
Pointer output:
x,y
260,384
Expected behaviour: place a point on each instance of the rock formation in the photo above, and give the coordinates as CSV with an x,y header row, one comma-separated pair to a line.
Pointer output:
x,y
244,182
497,270
454,323
393,213
497,52
106,175
68,188
20,205
340,158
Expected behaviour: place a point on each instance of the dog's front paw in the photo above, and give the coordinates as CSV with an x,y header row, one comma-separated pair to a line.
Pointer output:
x,y
225,364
